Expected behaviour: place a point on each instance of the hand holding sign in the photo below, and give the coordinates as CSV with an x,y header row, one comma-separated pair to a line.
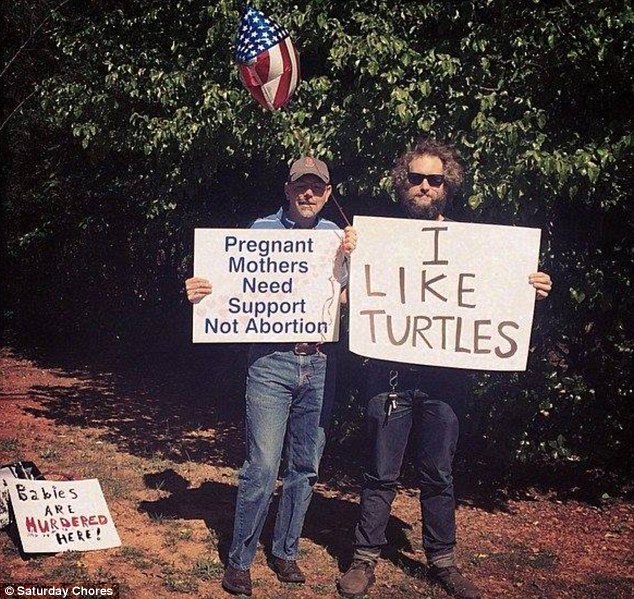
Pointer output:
x,y
349,242
542,283
197,288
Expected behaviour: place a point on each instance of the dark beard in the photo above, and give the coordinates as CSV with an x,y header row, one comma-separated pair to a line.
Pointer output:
x,y
431,212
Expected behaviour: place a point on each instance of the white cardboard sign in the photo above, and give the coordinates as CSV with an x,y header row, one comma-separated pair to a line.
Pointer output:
x,y
443,293
57,516
268,285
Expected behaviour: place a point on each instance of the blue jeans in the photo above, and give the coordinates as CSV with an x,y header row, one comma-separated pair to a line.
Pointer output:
x,y
428,405
286,417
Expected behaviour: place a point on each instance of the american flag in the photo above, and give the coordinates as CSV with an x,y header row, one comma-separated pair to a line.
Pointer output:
x,y
267,59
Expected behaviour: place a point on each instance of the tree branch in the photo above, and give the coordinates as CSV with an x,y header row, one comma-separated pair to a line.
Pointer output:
x,y
32,36
16,109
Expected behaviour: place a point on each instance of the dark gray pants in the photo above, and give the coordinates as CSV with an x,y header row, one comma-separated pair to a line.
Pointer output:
x,y
429,404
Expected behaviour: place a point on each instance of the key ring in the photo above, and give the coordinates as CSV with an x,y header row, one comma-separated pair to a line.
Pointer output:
x,y
393,379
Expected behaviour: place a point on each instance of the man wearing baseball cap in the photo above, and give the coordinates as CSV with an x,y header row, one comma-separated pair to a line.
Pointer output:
x,y
307,165
287,406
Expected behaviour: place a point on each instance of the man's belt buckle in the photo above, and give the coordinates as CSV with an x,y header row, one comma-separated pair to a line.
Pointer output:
x,y
305,349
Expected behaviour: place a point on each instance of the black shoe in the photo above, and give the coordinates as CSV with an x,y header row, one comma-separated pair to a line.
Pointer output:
x,y
454,582
237,581
357,580
287,570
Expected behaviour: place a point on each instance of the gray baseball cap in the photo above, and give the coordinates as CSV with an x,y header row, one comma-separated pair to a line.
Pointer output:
x,y
307,165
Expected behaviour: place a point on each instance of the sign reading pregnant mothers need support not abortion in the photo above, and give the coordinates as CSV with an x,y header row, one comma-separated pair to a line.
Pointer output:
x,y
268,285
443,293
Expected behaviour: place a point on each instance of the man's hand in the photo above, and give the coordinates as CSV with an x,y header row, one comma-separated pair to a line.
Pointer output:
x,y
542,283
349,241
197,289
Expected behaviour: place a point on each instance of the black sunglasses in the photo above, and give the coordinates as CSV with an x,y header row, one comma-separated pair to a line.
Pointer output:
x,y
418,178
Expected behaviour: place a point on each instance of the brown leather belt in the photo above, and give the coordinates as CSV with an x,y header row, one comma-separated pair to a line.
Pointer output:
x,y
306,349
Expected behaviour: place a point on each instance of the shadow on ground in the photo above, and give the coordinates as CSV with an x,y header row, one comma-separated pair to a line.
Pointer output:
x,y
186,404
178,407
329,522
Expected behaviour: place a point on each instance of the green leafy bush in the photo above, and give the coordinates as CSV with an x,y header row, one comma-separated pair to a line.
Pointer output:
x,y
138,130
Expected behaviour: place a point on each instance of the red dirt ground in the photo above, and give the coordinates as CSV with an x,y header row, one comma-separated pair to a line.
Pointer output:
x,y
171,490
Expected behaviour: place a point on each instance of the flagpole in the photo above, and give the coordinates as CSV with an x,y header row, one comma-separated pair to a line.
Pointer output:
x,y
343,214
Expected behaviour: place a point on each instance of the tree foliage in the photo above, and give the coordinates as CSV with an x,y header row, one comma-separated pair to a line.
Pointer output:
x,y
139,130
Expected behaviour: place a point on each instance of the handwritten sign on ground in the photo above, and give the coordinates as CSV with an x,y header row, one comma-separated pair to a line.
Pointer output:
x,y
268,286
443,293
57,516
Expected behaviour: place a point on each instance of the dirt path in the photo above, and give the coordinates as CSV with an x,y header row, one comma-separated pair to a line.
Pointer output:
x,y
168,470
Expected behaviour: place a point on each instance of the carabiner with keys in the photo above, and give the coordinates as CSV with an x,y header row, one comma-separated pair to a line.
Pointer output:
x,y
392,396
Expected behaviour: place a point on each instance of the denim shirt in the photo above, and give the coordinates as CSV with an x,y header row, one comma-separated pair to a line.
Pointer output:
x,y
281,220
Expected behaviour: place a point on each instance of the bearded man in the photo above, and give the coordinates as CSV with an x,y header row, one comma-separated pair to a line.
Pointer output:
x,y
424,402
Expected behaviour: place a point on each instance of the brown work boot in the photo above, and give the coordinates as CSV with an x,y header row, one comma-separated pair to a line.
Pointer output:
x,y
454,582
287,570
237,581
357,580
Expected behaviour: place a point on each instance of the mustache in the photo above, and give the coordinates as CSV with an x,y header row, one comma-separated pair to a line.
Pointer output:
x,y
429,212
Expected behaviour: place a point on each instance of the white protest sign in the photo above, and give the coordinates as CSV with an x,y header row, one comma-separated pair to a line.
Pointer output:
x,y
57,516
268,285
443,293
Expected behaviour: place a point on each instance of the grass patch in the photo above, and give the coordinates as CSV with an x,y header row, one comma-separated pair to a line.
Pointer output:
x,y
208,569
184,534
176,533
211,541
180,584
131,552
178,581
115,488
157,517
69,568
322,589
543,559
104,575
50,454
9,445
138,557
